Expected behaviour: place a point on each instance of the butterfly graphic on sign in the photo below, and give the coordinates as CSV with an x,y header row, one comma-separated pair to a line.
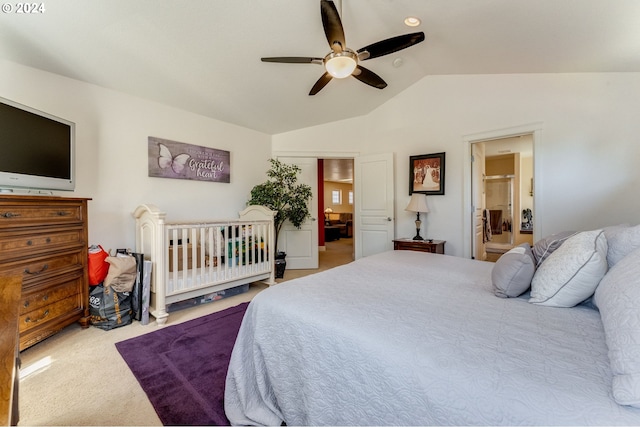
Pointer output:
x,y
166,160
177,160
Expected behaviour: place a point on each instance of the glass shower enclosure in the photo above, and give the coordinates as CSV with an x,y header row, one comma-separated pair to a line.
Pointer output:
x,y
499,202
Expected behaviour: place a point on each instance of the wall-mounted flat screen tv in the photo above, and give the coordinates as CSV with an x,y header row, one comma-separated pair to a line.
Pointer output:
x,y
37,149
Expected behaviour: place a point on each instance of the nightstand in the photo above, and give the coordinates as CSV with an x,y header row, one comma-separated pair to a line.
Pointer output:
x,y
433,246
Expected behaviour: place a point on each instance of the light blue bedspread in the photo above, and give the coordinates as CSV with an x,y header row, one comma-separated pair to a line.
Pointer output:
x,y
415,338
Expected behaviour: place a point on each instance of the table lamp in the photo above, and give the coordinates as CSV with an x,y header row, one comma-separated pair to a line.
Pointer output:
x,y
418,203
326,214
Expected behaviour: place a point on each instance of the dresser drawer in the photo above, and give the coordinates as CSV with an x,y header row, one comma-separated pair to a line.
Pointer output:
x,y
15,245
27,214
39,324
39,306
43,267
43,296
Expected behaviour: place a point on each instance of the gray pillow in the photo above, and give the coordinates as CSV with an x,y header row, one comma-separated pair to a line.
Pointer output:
x,y
545,246
512,274
618,299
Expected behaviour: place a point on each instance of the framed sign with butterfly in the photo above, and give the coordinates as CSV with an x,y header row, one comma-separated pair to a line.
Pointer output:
x,y
172,159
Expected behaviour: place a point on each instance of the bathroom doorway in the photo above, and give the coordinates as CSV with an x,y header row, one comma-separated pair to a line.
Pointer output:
x,y
502,165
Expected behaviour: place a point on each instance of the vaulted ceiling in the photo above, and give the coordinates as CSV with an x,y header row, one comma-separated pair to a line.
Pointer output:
x,y
204,55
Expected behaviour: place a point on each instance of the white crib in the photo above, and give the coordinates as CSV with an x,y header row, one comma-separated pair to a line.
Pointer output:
x,y
194,259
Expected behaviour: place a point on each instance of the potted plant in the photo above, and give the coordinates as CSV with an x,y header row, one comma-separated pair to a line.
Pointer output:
x,y
286,197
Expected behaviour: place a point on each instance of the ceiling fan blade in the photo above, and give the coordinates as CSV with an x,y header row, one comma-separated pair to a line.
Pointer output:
x,y
391,45
322,82
369,77
293,60
332,25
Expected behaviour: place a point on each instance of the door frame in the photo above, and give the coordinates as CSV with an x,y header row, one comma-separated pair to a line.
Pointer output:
x,y
321,155
468,218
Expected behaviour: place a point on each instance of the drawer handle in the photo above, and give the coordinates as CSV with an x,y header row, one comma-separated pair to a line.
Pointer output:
x,y
29,243
62,213
9,215
42,270
26,304
29,320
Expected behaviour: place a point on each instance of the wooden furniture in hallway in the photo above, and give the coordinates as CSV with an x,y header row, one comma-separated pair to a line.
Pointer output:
x,y
331,233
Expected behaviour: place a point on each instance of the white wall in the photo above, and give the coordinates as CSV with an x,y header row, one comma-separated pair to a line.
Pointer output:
x,y
111,141
587,173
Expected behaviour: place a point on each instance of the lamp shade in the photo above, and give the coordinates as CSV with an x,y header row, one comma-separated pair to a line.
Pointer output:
x,y
418,203
328,211
341,64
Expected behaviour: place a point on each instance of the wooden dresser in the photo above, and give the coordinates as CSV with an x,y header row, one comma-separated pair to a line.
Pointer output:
x,y
46,238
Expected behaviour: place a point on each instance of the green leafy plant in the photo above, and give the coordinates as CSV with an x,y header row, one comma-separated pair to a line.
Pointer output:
x,y
282,193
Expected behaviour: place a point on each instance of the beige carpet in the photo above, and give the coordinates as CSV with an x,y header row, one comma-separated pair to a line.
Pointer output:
x,y
78,378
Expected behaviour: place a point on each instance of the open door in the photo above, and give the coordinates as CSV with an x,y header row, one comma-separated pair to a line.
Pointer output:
x,y
301,245
374,204
478,202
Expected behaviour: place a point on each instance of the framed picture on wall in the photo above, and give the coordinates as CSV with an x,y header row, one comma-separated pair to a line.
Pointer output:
x,y
426,174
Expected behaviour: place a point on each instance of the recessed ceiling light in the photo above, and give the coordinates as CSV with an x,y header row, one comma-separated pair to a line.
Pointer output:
x,y
412,21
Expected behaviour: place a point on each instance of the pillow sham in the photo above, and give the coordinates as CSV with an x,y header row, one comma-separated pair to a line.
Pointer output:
x,y
622,241
512,274
546,246
572,272
618,299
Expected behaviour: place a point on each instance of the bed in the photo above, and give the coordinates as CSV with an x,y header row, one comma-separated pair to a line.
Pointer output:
x,y
415,338
200,259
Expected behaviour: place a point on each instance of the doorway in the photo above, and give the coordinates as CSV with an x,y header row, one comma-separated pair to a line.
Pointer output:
x,y
505,168
373,200
338,208
508,169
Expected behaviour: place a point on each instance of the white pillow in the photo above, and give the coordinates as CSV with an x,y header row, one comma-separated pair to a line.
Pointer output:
x,y
618,299
512,274
571,274
622,241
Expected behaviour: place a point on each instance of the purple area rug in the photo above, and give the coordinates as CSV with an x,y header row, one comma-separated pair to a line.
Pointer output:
x,y
183,368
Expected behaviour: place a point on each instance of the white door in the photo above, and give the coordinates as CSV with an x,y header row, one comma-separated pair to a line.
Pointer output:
x,y
301,244
374,223
478,201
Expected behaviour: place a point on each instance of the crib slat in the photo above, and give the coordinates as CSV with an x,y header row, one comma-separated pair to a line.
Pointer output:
x,y
174,261
194,257
185,243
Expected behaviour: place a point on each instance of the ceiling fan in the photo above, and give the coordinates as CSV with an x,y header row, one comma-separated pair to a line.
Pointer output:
x,y
342,62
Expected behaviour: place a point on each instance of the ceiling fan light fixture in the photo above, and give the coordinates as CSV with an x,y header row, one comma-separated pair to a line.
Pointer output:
x,y
412,21
341,64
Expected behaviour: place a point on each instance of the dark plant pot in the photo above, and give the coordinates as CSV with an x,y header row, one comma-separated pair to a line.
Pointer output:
x,y
281,264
